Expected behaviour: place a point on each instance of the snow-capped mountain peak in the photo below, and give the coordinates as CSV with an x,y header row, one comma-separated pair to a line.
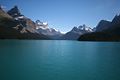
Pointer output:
x,y
86,28
42,27
76,32
82,28
40,24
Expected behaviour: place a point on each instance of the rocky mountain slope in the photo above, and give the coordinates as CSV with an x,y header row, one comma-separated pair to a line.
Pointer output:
x,y
76,32
110,31
14,25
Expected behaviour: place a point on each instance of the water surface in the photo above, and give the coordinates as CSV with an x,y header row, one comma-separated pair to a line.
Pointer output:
x,y
59,60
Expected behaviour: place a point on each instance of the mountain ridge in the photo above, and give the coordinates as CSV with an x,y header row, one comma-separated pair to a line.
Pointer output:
x,y
110,33
22,28
76,32
14,25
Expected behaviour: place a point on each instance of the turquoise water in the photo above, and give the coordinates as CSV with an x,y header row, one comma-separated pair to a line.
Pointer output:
x,y
59,60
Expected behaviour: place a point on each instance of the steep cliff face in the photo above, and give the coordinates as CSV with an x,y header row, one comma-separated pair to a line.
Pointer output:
x,y
43,28
109,32
30,23
103,25
13,25
26,23
14,12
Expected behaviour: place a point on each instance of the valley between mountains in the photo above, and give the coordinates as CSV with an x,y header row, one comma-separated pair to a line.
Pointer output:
x,y
15,25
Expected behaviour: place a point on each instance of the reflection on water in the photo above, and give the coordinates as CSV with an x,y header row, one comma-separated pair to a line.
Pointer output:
x,y
59,60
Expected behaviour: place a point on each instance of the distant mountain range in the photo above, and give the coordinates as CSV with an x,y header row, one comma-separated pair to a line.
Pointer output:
x,y
76,32
14,25
105,31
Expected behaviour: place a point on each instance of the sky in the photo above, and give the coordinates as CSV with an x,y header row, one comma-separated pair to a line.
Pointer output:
x,y
63,15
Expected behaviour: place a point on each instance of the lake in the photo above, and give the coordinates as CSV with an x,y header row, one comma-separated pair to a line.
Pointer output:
x,y
59,60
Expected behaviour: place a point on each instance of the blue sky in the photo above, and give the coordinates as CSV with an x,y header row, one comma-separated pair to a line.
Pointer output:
x,y
65,14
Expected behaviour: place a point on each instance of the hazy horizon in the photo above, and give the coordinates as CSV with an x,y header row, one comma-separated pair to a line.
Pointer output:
x,y
63,15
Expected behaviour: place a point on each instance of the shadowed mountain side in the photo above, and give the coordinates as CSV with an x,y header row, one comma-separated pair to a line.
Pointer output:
x,y
111,33
70,36
8,32
76,32
15,27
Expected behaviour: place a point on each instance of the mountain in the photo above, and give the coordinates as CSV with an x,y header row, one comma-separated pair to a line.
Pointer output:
x,y
13,25
76,32
14,12
103,25
4,14
116,20
111,33
42,28
23,21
